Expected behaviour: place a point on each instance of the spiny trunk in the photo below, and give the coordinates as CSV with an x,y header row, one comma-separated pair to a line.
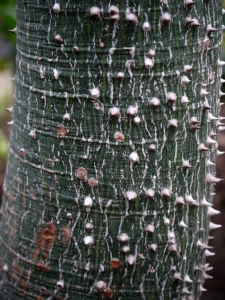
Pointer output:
x,y
110,169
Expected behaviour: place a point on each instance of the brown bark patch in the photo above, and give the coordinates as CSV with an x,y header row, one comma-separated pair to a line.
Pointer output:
x,y
19,276
65,232
42,266
23,287
119,137
115,263
81,173
8,195
107,293
92,182
61,131
44,241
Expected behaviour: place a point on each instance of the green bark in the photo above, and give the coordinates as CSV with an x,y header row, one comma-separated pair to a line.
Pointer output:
x,y
64,151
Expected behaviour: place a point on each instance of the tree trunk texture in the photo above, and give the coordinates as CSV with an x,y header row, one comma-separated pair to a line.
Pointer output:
x,y
110,174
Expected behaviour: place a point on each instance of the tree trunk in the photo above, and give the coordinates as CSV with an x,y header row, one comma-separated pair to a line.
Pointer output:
x,y
111,163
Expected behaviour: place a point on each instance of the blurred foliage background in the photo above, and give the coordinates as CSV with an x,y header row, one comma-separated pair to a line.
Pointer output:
x,y
7,66
7,39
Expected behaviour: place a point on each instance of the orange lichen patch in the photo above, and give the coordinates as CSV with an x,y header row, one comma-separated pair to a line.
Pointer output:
x,y
61,131
115,263
39,298
42,266
65,232
92,182
107,293
44,240
81,173
119,137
